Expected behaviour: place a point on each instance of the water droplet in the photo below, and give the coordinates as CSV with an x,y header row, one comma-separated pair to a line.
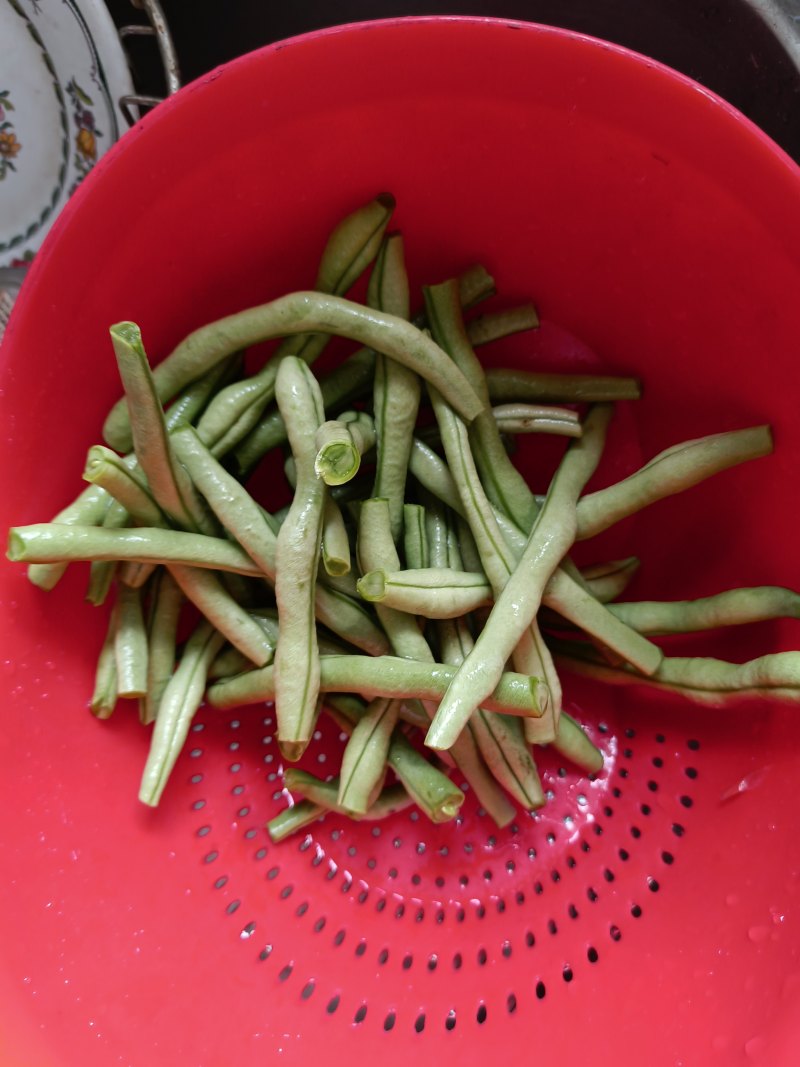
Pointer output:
x,y
757,934
732,899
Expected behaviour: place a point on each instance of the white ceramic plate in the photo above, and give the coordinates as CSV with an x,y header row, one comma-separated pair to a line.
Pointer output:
x,y
62,74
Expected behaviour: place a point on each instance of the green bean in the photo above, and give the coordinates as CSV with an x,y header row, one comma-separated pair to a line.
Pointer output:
x,y
47,542
298,313
296,817
205,590
436,593
130,644
189,404
433,474
101,572
671,471
393,798
345,383
166,600
530,654
340,445
88,509
375,547
168,481
566,596
503,483
607,581
348,250
572,743
598,621
415,542
536,418
730,608
397,390
181,699
123,480
499,738
512,385
335,542
386,676
353,244
89,506
250,525
104,696
363,767
376,544
474,285
493,325
235,411
228,662
489,794
515,608
431,789
701,680
297,552
234,507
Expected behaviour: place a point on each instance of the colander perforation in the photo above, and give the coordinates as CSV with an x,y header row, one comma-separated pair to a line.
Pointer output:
x,y
414,903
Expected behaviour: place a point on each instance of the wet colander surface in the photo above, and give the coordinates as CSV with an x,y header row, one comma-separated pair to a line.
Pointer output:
x,y
646,917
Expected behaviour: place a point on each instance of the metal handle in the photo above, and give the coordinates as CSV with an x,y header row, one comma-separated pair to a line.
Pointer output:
x,y
157,27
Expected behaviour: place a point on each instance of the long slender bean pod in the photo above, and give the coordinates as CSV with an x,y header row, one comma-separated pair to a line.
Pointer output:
x,y
335,540
347,382
296,817
88,509
104,695
205,590
732,607
515,608
567,597
499,738
102,572
431,790
363,765
397,390
530,654
251,526
49,542
297,553
340,445
726,684
166,600
503,483
386,676
507,385
123,480
436,593
130,644
536,418
493,325
392,799
415,541
297,313
168,481
181,699
671,471
606,581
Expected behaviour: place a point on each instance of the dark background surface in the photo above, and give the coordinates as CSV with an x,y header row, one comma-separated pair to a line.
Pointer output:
x,y
727,45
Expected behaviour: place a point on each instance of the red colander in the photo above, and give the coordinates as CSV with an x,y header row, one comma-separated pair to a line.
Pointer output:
x,y
649,917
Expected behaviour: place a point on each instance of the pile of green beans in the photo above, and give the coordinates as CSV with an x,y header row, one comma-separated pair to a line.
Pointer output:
x,y
415,589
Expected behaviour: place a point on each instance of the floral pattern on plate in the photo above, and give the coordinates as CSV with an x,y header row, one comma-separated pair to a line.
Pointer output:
x,y
63,74
9,145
